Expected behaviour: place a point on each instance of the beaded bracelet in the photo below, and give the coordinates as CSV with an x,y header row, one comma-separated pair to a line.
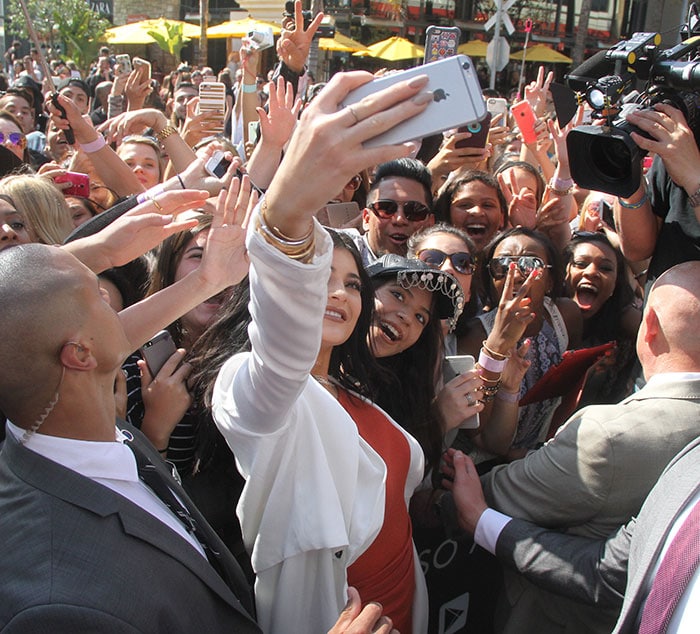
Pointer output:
x,y
490,392
636,205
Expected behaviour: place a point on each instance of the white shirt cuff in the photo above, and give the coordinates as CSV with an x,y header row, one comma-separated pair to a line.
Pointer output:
x,y
488,529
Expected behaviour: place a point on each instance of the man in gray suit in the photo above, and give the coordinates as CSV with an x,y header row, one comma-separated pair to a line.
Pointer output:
x,y
87,546
590,570
594,475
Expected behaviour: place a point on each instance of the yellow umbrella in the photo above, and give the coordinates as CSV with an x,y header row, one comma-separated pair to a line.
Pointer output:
x,y
393,49
240,28
137,32
541,53
341,43
473,48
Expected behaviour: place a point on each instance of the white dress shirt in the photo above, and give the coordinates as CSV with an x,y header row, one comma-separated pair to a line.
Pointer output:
x,y
111,464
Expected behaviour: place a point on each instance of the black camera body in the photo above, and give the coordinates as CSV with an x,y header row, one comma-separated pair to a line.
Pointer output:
x,y
605,158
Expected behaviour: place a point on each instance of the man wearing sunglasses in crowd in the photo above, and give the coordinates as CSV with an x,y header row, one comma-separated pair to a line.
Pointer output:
x,y
399,203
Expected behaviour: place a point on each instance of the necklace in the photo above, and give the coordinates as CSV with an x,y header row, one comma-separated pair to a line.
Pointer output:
x,y
327,383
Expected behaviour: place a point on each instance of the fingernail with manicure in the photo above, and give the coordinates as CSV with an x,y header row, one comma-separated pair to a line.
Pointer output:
x,y
416,82
422,98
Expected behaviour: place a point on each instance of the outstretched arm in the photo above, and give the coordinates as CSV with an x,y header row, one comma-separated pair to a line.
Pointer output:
x,y
584,569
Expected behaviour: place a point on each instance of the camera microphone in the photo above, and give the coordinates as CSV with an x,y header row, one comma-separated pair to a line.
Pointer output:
x,y
592,69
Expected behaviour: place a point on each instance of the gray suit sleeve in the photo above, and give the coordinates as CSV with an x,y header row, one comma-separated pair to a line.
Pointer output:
x,y
584,569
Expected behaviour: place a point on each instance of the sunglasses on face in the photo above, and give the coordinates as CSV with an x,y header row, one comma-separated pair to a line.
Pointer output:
x,y
412,210
498,267
14,138
462,262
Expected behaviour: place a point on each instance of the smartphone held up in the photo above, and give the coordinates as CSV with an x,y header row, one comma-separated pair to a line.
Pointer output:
x,y
457,99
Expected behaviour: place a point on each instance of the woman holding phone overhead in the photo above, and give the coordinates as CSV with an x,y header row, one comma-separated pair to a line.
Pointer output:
x,y
319,492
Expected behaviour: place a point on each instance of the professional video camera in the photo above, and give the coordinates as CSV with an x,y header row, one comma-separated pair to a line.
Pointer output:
x,y
605,158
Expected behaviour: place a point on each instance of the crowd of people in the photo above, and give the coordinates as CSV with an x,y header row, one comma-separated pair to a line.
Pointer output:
x,y
277,471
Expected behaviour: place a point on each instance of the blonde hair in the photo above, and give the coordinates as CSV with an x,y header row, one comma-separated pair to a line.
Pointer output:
x,y
42,205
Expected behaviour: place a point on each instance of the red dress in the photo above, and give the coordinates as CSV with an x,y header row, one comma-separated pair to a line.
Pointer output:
x,y
385,571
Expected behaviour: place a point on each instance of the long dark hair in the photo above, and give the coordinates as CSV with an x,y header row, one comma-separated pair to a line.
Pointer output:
x,y
167,260
352,364
406,388
606,325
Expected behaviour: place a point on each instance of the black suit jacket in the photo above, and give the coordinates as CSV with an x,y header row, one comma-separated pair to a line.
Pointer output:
x,y
80,558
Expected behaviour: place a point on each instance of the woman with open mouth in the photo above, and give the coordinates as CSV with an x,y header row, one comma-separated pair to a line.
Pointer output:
x,y
474,202
522,273
596,280
411,299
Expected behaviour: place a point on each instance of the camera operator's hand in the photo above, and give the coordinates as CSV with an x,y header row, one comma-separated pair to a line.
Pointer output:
x,y
674,143
294,42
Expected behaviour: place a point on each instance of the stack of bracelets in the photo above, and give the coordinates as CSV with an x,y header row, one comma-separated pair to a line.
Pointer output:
x,y
494,362
301,249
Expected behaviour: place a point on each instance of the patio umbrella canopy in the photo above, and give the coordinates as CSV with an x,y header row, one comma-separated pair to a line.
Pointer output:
x,y
137,32
393,49
473,48
240,28
541,53
340,43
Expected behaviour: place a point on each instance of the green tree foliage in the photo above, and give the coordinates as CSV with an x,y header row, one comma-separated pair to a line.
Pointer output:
x,y
69,22
170,37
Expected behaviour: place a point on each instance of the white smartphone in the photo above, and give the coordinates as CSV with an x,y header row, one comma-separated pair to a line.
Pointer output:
x,y
453,366
124,64
217,164
212,98
457,99
253,131
157,351
496,106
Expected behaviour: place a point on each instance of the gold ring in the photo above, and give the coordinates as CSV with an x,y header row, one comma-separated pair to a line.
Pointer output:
x,y
353,113
156,204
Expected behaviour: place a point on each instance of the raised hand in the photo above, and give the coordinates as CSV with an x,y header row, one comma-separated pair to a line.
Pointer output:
x,y
277,124
294,42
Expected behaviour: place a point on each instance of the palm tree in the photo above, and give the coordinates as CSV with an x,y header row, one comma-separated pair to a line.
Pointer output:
x,y
582,33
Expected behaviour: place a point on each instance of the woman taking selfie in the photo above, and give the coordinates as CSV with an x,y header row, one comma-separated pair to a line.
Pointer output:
x,y
328,474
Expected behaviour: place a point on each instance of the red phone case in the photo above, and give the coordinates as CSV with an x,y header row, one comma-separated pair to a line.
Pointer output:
x,y
80,184
526,120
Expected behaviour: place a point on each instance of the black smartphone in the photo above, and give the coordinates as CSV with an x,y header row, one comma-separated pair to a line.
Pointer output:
x,y
479,130
157,351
